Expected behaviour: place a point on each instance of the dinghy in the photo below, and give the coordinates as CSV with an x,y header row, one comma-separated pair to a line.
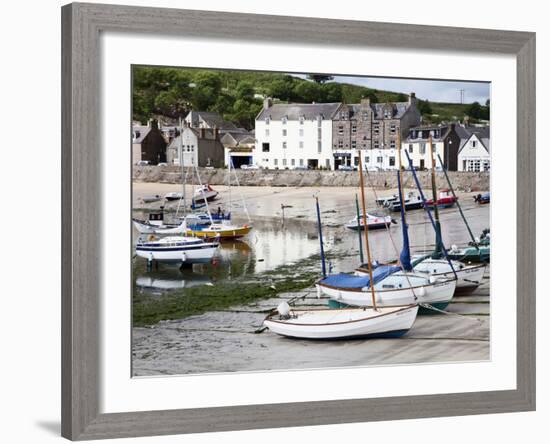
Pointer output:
x,y
176,249
412,201
173,196
444,200
348,323
156,225
375,221
204,193
483,199
151,199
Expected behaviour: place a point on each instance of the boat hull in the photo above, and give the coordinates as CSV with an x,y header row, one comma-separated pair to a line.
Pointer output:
x,y
145,228
471,254
326,324
468,276
437,292
378,226
199,254
232,233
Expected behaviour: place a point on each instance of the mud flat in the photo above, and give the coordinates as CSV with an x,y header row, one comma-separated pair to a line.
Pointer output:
x,y
225,341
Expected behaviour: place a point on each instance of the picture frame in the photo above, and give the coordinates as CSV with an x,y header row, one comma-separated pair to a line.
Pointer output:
x,y
81,234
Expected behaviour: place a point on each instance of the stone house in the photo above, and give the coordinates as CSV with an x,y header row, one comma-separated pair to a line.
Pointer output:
x,y
148,144
375,128
196,147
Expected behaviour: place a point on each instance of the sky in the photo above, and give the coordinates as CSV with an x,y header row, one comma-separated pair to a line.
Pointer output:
x,y
432,90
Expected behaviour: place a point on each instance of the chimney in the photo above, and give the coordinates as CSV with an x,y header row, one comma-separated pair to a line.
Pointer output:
x,y
365,102
216,133
412,98
201,133
268,103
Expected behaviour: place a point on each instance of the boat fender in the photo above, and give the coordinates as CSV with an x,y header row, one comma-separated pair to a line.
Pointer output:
x,y
454,247
433,279
421,291
284,309
183,257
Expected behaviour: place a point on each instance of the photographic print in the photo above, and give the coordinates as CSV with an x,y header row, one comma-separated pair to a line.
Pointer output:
x,y
291,221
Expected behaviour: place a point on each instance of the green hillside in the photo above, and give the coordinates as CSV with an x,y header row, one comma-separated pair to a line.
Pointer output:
x,y
237,95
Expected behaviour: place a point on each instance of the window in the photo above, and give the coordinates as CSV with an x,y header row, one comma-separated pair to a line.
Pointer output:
x,y
284,144
301,162
292,162
275,162
365,115
486,165
367,159
356,161
301,132
379,159
340,129
474,143
301,144
376,144
343,115
327,163
284,133
340,144
392,129
265,147
284,119
284,162
376,129
353,144
267,120
267,132
319,133
410,148
474,165
354,128
319,146
302,120
392,161
422,148
392,144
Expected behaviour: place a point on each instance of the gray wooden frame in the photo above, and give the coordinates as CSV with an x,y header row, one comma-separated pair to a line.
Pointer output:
x,y
81,232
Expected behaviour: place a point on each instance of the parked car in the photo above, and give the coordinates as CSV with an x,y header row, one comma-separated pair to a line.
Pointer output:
x,y
162,164
249,167
300,167
345,168
142,162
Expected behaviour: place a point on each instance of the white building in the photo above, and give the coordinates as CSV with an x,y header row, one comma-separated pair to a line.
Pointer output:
x,y
474,152
291,136
417,146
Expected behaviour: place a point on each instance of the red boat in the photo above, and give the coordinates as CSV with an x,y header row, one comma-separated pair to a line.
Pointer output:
x,y
445,199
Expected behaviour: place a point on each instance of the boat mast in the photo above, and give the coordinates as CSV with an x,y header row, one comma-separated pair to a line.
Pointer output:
x,y
427,209
359,229
323,265
457,202
400,175
438,239
366,230
203,194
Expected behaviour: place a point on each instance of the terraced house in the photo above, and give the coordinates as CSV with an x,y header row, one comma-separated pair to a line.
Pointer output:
x,y
373,128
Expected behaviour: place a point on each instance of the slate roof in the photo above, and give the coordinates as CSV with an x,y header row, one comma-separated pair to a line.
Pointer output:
x,y
398,109
483,133
293,111
142,130
211,119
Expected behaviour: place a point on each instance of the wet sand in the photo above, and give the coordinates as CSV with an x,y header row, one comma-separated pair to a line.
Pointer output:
x,y
224,341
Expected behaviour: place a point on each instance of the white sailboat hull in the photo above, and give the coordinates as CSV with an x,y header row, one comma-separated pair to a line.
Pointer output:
x,y
440,292
344,323
184,255
468,276
145,228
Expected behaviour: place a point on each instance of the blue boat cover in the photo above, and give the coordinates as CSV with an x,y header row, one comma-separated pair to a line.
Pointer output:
x,y
344,280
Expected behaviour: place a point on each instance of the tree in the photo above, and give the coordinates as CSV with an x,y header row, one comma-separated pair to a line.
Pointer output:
x,y
331,92
401,97
319,78
307,91
475,111
424,107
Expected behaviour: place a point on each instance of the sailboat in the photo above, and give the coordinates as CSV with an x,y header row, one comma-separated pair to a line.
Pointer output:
x,y
222,228
438,264
392,284
479,250
346,323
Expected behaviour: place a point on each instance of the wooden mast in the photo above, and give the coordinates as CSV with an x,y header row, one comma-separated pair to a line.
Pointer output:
x,y
438,239
369,261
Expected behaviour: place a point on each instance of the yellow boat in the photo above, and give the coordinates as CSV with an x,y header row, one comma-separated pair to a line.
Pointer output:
x,y
221,231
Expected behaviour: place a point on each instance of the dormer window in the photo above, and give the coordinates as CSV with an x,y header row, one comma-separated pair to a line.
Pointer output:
x,y
302,118
267,120
136,134
284,120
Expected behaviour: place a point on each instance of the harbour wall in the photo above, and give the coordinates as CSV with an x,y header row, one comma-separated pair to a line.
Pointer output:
x,y
462,181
